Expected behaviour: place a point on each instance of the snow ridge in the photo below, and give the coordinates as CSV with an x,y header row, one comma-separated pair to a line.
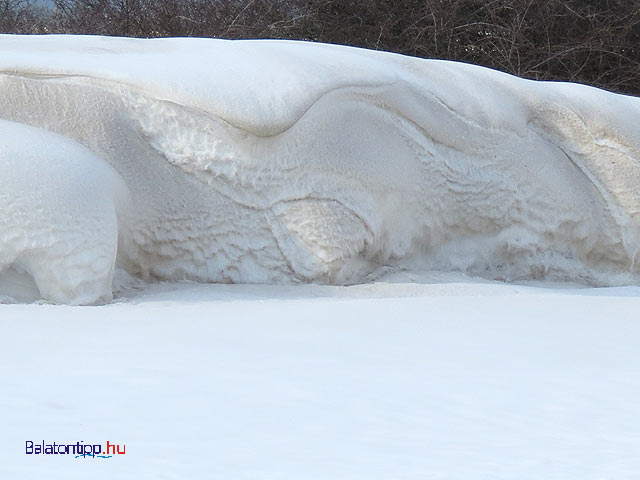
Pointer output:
x,y
279,162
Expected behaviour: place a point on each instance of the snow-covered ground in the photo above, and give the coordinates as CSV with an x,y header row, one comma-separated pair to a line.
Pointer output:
x,y
457,380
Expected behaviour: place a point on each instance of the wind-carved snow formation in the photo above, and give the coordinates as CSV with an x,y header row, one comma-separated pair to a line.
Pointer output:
x,y
279,162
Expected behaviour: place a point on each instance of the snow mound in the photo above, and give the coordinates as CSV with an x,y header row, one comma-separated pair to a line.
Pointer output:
x,y
281,162
60,221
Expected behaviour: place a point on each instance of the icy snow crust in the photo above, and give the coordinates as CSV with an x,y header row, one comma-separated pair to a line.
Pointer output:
x,y
280,162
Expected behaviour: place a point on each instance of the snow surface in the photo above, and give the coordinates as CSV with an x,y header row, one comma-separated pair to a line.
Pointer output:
x,y
462,380
291,162
288,162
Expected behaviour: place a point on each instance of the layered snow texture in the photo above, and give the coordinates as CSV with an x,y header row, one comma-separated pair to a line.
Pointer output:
x,y
283,162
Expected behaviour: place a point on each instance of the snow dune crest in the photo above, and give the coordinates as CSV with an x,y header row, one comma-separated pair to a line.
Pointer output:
x,y
281,162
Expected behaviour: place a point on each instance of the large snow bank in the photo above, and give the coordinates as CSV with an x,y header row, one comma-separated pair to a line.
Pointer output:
x,y
278,161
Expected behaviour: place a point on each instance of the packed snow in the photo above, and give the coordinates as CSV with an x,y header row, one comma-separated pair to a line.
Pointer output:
x,y
293,162
58,204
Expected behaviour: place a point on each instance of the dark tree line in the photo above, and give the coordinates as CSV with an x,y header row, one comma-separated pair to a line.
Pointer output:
x,y
589,41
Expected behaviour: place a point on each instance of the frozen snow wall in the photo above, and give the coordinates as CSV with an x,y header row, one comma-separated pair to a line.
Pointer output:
x,y
279,161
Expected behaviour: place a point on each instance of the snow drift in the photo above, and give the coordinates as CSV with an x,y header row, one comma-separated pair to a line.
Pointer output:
x,y
279,161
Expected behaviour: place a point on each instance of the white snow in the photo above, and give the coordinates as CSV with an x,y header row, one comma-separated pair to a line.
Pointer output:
x,y
405,381
278,163
286,162
47,180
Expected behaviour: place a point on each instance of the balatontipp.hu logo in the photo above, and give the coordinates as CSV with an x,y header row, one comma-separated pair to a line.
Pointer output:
x,y
78,449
